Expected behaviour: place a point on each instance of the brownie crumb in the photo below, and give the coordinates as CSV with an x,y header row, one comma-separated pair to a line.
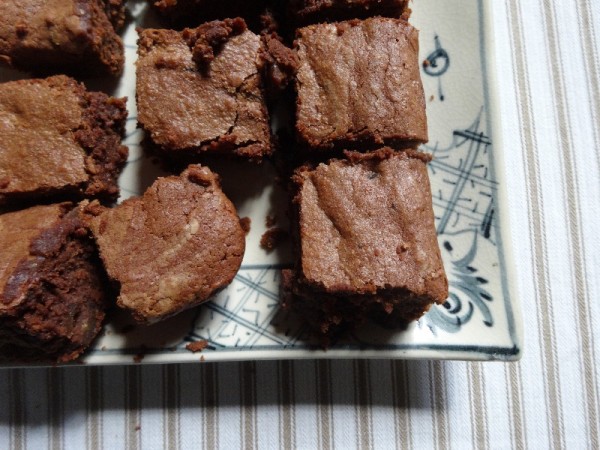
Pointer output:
x,y
246,222
197,346
202,176
272,238
281,61
206,40
271,220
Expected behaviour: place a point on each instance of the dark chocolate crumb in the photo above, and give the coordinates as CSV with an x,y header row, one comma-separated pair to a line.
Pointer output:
x,y
206,40
271,220
197,346
272,238
245,223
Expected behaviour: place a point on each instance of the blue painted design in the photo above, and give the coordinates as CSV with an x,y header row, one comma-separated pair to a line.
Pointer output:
x,y
437,63
466,290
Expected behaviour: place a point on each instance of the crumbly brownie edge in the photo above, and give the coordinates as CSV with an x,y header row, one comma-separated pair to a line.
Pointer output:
x,y
332,316
104,44
340,10
103,124
115,11
64,305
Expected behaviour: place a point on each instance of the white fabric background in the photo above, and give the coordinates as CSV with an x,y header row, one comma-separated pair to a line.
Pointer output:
x,y
548,55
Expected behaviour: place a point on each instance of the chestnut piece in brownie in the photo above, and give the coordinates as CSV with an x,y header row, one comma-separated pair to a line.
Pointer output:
x,y
367,241
313,11
172,248
52,295
56,36
359,86
200,90
59,141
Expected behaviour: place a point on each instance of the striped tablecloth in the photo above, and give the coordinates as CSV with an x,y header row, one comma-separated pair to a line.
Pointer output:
x,y
549,55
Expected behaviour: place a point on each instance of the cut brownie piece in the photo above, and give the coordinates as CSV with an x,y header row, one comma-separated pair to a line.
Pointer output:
x,y
313,11
172,248
52,298
359,85
200,90
58,140
53,36
367,241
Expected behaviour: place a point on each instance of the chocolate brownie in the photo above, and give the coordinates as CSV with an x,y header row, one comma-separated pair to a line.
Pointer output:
x,y
194,12
58,140
200,90
367,241
61,36
358,85
313,11
52,297
172,248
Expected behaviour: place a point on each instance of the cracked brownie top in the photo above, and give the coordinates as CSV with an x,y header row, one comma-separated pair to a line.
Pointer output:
x,y
201,90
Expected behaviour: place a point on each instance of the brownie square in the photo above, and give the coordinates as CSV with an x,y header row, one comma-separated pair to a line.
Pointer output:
x,y
62,36
358,85
313,11
367,242
172,248
52,296
200,90
58,140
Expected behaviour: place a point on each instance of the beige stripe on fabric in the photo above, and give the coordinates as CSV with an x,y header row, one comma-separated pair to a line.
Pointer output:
x,y
592,55
478,406
93,386
170,383
535,212
17,438
210,400
132,405
518,416
574,221
55,409
401,401
287,425
515,406
248,402
364,404
324,419
437,391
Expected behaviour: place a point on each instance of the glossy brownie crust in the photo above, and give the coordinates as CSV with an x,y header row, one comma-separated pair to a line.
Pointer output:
x,y
58,140
62,36
358,85
366,240
313,11
200,90
172,248
51,287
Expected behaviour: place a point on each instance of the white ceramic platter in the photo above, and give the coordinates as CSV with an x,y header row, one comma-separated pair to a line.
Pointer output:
x,y
480,320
